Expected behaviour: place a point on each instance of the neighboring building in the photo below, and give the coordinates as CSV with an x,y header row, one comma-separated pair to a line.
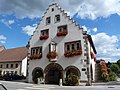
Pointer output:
x,y
13,61
59,47
2,48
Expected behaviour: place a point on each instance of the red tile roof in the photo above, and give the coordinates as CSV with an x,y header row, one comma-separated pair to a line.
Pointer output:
x,y
15,54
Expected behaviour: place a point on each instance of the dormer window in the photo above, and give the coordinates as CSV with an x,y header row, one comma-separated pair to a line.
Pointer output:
x,y
44,34
62,30
57,18
47,20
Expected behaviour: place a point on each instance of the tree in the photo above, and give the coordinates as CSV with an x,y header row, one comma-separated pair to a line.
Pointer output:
x,y
118,62
115,68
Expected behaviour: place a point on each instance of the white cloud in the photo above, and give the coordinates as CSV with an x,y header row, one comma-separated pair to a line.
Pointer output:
x,y
106,46
89,30
2,42
91,9
2,39
29,29
94,29
7,22
11,22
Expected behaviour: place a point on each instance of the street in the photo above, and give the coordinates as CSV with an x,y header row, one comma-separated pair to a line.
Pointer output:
x,y
27,86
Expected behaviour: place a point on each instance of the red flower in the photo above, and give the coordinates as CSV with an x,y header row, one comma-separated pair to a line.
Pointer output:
x,y
35,56
72,53
62,33
43,37
52,55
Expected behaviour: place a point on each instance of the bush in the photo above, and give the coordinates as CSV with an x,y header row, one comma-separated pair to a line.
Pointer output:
x,y
112,76
115,68
72,80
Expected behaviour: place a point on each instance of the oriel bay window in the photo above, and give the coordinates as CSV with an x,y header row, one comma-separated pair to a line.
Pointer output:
x,y
36,53
62,30
73,48
44,34
52,54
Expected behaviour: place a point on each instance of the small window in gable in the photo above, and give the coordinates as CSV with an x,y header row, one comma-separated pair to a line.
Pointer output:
x,y
57,18
45,32
47,20
52,9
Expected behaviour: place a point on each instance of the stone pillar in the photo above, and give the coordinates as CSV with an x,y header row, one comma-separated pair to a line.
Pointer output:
x,y
64,76
44,78
38,79
60,82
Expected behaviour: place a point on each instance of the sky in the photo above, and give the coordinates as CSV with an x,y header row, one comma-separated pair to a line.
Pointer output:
x,y
101,18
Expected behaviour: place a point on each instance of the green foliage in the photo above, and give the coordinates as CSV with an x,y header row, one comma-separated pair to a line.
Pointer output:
x,y
72,80
115,68
118,62
112,76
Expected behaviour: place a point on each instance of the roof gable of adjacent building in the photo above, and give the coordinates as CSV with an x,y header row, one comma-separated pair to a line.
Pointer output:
x,y
13,55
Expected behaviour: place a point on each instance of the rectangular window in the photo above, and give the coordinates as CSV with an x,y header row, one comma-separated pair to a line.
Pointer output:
x,y
57,18
62,28
45,32
68,47
36,50
52,9
78,45
7,65
11,65
73,46
16,65
1,66
47,20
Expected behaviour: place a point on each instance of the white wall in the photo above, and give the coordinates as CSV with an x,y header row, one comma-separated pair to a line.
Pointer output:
x,y
74,34
24,67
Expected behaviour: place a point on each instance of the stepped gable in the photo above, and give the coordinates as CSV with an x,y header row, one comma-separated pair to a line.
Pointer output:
x,y
62,11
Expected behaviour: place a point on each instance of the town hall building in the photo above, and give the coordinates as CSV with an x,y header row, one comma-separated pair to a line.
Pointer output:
x,y
58,47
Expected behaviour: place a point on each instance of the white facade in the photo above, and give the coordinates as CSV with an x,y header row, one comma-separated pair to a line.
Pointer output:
x,y
24,67
75,33
21,68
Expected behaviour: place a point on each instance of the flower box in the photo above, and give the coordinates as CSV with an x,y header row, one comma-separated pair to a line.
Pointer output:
x,y
62,33
52,55
44,37
35,56
72,53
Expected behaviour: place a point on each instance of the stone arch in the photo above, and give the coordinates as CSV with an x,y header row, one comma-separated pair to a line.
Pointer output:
x,y
53,73
37,73
72,69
